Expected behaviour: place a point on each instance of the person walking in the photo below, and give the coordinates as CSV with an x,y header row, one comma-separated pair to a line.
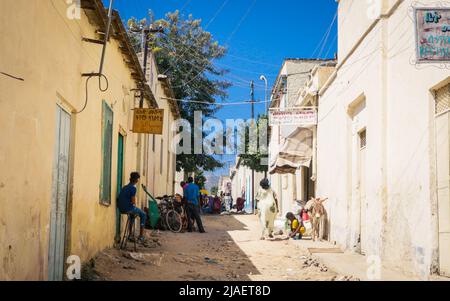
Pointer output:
x,y
268,209
192,195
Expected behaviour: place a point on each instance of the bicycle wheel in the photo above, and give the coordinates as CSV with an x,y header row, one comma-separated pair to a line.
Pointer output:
x,y
174,222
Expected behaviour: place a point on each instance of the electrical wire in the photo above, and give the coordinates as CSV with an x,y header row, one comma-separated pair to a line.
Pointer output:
x,y
99,87
206,27
228,40
217,103
12,76
327,35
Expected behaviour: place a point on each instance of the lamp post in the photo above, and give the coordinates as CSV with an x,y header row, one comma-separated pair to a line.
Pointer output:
x,y
263,78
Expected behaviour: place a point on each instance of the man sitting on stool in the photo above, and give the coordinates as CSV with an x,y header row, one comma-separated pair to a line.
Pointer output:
x,y
127,202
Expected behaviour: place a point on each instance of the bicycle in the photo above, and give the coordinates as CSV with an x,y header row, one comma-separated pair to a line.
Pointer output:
x,y
172,214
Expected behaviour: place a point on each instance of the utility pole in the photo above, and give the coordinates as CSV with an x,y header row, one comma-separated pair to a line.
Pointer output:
x,y
263,78
252,86
145,32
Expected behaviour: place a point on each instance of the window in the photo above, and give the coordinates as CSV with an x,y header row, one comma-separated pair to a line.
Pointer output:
x,y
442,99
107,134
362,139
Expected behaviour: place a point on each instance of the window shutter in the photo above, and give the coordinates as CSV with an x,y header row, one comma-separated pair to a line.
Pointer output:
x,y
107,132
442,99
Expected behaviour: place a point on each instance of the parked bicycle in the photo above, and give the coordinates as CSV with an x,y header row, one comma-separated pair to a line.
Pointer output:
x,y
171,214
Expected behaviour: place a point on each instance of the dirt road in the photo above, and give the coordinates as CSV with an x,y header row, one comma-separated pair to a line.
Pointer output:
x,y
230,250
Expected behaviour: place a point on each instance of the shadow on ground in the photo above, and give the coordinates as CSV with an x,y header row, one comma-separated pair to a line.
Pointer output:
x,y
182,256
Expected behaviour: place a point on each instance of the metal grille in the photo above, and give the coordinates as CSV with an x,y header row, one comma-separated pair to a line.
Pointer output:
x,y
442,99
363,139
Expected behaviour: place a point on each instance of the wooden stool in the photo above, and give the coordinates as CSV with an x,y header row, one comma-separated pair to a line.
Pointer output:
x,y
129,232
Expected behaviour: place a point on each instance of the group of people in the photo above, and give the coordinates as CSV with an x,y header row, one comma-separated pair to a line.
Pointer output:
x,y
191,201
266,199
268,210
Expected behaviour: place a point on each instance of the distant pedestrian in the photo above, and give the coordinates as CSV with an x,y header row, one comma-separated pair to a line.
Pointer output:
x,y
192,195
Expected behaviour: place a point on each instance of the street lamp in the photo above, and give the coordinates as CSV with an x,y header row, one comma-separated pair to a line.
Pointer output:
x,y
262,77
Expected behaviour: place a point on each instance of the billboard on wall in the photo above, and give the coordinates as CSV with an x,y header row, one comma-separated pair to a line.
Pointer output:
x,y
293,117
432,34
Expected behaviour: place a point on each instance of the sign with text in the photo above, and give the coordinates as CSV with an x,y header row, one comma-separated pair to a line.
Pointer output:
x,y
148,121
432,34
298,117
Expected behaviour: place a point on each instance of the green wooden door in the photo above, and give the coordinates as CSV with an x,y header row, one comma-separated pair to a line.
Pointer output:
x,y
58,212
119,182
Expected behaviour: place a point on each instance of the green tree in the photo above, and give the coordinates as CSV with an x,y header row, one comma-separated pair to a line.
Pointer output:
x,y
185,52
214,190
254,160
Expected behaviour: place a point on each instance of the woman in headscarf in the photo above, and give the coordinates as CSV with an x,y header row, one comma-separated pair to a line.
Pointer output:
x,y
268,208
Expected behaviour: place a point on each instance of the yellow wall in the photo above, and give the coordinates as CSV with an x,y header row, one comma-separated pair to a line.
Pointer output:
x,y
40,44
161,181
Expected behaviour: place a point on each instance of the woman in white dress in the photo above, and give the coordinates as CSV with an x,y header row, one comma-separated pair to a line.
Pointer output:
x,y
267,203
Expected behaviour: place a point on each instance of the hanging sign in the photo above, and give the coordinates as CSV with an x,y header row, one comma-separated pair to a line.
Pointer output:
x,y
297,117
148,121
432,34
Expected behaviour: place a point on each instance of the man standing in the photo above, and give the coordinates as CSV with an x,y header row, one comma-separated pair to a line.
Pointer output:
x,y
192,195
127,202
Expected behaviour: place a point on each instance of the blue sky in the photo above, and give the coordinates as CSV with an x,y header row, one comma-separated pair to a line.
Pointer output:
x,y
259,35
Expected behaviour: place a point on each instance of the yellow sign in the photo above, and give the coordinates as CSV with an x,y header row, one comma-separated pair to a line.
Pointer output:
x,y
148,121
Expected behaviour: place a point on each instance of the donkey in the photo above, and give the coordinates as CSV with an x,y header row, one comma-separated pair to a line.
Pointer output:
x,y
318,215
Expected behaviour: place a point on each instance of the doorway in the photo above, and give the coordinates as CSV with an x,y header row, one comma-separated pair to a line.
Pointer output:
x,y
362,190
58,212
442,121
119,183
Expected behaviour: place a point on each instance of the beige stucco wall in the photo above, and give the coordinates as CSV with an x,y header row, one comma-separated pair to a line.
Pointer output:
x,y
400,163
161,181
44,47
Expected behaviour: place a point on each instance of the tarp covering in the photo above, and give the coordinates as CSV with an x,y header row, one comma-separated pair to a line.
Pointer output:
x,y
296,152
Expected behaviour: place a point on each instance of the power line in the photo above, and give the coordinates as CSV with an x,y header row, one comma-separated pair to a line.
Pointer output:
x,y
216,103
206,27
324,39
328,34
228,40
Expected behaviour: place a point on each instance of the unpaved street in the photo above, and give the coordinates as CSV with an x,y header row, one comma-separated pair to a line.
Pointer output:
x,y
230,250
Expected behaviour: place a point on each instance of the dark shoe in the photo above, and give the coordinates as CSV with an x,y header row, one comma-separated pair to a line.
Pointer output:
x,y
202,231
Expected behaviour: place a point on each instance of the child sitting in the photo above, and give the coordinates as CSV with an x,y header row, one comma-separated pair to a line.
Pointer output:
x,y
296,226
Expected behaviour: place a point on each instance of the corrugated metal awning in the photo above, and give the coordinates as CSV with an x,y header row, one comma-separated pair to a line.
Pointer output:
x,y
296,152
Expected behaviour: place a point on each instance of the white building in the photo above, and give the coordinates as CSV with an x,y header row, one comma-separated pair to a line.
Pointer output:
x,y
241,183
290,185
383,141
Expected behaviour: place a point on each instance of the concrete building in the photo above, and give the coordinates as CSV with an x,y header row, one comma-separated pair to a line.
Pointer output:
x,y
241,183
383,142
289,187
224,185
62,170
